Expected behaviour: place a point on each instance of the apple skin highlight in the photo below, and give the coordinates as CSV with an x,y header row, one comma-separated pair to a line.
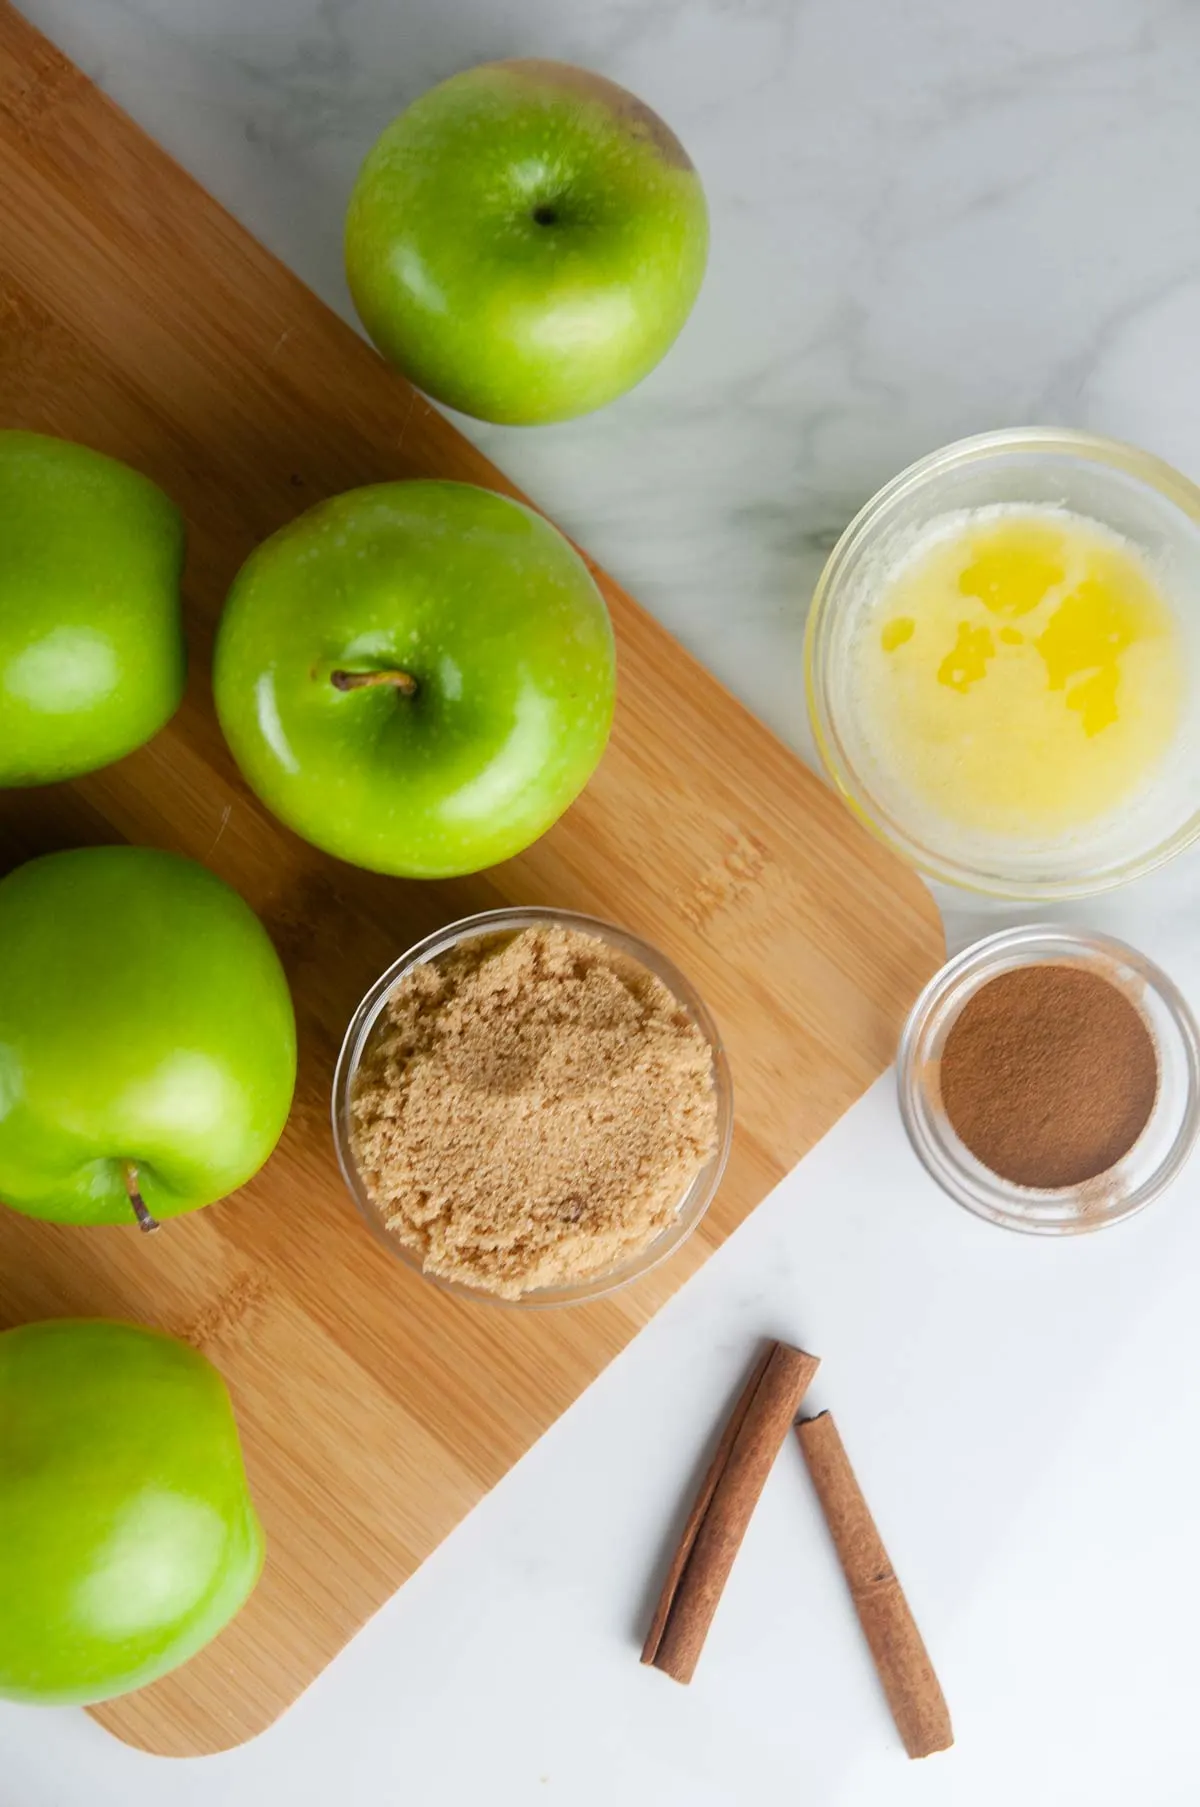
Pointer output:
x,y
92,656
418,678
526,241
128,1538
145,1023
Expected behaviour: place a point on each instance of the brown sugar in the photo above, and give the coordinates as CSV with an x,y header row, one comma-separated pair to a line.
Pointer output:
x,y
531,1110
1049,1075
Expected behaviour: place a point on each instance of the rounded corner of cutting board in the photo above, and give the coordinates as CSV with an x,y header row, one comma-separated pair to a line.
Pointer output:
x,y
185,1730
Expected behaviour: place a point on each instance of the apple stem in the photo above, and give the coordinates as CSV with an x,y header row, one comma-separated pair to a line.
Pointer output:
x,y
403,681
146,1223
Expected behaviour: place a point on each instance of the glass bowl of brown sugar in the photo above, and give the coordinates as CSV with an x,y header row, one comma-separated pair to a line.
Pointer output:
x,y
532,1108
1049,1079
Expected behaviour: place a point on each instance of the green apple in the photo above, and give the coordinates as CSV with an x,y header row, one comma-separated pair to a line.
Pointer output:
x,y
526,241
127,1536
91,643
416,677
147,1041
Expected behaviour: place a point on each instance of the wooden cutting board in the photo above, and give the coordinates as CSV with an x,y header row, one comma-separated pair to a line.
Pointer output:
x,y
136,316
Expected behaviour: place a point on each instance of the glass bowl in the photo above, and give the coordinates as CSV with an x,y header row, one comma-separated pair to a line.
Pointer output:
x,y
692,1205
1159,1152
1135,495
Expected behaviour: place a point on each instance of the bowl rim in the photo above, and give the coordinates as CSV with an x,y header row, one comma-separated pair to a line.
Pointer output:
x,y
695,1202
1146,467
1004,951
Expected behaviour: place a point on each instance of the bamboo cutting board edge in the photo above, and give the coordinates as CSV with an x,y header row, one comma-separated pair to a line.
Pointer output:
x,y
136,314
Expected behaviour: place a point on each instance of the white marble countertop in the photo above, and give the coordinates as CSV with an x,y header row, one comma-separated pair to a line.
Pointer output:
x,y
929,219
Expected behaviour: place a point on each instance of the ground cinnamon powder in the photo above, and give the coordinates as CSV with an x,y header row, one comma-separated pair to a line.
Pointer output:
x,y
1049,1075
531,1110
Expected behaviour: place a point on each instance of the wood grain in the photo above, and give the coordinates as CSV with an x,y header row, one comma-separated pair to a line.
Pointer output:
x,y
135,315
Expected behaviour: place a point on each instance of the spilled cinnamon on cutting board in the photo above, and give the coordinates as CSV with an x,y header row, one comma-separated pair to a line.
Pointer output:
x,y
1049,1075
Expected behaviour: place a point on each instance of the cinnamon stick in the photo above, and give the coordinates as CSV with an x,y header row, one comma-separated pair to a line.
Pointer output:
x,y
913,1691
751,1440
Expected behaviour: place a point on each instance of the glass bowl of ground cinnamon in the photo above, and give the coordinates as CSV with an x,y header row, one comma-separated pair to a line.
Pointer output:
x,y
532,1107
1049,1079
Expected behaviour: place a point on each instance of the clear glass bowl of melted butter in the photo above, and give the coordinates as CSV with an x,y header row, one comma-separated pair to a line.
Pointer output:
x,y
1003,663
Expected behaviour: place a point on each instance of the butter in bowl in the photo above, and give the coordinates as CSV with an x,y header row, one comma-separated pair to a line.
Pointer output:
x,y
1002,663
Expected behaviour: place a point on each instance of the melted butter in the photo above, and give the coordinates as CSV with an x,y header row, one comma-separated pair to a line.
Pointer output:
x,y
1026,728
1084,639
896,632
1011,567
968,659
